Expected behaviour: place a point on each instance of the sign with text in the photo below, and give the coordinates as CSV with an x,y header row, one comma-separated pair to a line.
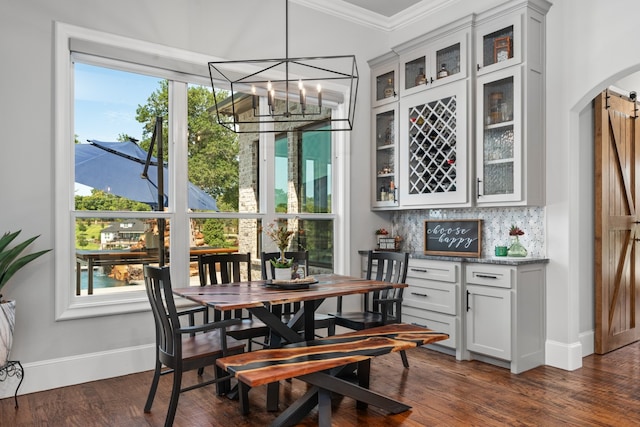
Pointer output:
x,y
462,237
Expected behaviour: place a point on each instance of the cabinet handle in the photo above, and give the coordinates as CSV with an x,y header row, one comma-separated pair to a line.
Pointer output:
x,y
478,66
419,270
468,293
420,295
418,324
478,181
486,276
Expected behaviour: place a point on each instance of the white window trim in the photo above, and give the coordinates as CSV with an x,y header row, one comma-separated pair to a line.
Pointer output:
x,y
67,304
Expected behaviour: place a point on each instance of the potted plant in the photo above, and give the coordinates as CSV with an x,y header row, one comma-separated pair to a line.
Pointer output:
x,y
516,249
281,236
10,263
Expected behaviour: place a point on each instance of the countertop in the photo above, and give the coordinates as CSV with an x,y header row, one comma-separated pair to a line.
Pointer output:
x,y
502,260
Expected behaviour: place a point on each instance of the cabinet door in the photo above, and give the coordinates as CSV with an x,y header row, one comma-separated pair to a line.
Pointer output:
x,y
384,84
436,63
415,71
499,137
488,321
449,59
433,147
499,43
385,156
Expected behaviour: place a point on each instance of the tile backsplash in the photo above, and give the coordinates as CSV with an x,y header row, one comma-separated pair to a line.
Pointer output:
x,y
496,223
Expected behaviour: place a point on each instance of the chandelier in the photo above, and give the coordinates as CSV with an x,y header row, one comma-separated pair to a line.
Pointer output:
x,y
277,95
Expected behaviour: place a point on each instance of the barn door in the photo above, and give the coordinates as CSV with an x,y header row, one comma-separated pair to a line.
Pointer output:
x,y
617,233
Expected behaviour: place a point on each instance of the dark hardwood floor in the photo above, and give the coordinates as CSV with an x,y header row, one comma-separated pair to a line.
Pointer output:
x,y
441,390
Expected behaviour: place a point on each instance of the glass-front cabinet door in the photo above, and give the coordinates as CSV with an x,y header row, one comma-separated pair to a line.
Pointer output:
x,y
499,148
437,63
433,147
498,44
384,84
385,156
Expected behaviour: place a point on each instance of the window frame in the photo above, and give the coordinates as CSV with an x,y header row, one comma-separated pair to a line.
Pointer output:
x,y
181,67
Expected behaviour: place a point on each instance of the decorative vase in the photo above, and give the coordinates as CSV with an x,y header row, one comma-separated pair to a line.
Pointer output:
x,y
516,249
282,273
7,325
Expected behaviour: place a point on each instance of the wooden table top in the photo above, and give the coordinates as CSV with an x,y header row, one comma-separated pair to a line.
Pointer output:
x,y
256,293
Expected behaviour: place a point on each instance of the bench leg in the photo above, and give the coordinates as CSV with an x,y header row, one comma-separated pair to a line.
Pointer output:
x,y
324,408
243,393
298,409
364,375
273,394
336,385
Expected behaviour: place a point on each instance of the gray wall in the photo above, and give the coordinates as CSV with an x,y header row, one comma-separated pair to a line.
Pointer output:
x,y
584,55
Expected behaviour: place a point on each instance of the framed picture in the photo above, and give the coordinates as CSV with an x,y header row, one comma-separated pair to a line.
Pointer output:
x,y
462,237
501,49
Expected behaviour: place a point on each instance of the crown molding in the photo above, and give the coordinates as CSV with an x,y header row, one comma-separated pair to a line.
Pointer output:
x,y
365,17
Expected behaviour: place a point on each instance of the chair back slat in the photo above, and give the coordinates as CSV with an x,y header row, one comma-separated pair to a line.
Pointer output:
x,y
158,285
390,267
233,268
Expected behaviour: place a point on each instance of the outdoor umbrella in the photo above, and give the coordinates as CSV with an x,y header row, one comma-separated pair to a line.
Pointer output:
x,y
116,168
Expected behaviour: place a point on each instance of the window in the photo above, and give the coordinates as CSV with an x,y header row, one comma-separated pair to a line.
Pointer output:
x,y
112,233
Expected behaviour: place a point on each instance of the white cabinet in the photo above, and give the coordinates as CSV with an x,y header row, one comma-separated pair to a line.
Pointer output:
x,y
509,104
500,53
498,140
498,42
432,300
434,147
385,156
384,80
504,314
433,63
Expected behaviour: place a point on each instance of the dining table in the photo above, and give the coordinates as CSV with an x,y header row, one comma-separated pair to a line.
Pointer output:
x,y
262,298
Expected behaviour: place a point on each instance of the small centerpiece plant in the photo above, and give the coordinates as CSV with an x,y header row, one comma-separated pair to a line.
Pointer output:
x,y
281,236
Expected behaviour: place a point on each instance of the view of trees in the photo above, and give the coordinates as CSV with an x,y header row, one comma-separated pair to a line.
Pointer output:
x,y
212,151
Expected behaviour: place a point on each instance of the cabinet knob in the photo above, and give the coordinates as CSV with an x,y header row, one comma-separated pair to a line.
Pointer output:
x,y
478,67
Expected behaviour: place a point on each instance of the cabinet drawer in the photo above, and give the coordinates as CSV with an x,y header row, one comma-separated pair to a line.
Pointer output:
x,y
489,275
433,270
431,295
433,321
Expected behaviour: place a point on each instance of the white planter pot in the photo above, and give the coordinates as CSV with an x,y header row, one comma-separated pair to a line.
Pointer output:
x,y
7,325
282,273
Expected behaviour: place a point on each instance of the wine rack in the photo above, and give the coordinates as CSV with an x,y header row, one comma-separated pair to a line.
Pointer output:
x,y
432,147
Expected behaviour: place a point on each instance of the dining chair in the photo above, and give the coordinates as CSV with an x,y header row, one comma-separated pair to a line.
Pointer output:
x,y
321,321
216,269
381,307
184,348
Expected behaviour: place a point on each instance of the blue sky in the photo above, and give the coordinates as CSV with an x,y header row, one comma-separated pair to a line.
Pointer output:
x,y
106,102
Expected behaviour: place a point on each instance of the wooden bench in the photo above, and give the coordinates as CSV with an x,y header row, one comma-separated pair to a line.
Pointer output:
x,y
310,361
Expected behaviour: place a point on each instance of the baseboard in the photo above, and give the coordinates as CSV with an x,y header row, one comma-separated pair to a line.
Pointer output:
x,y
562,355
54,373
587,340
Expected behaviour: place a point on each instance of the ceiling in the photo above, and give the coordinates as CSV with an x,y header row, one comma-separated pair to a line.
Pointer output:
x,y
385,15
